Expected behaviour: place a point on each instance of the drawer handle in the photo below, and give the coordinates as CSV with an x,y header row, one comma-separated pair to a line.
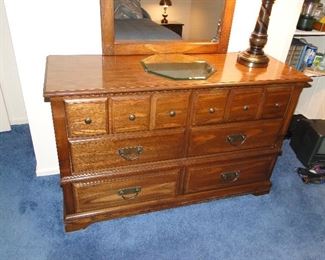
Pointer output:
x,y
88,121
132,117
212,110
230,176
237,139
172,113
129,193
277,105
130,153
245,108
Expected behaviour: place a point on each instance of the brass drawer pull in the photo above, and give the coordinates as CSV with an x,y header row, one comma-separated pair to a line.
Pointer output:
x,y
88,120
129,193
230,176
132,117
236,139
130,153
172,113
212,110
277,105
245,108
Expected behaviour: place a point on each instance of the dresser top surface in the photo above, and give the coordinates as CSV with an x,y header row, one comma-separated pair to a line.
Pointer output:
x,y
96,74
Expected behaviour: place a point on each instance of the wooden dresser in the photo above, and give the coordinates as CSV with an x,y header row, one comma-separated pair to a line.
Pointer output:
x,y
131,142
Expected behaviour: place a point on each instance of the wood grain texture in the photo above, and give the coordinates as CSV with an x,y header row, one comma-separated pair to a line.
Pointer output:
x,y
209,106
104,193
130,113
178,158
112,47
103,153
81,75
87,117
169,110
215,139
209,176
276,102
244,104
81,220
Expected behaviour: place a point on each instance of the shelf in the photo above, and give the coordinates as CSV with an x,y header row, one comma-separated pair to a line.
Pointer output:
x,y
309,33
313,72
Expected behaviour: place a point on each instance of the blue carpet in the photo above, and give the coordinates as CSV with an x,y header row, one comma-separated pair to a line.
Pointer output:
x,y
288,223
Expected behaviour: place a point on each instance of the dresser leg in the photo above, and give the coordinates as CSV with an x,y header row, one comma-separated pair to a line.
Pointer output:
x,y
262,192
69,227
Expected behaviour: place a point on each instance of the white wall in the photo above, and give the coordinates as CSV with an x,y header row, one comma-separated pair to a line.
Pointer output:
x,y
205,16
43,27
282,26
4,119
13,107
40,28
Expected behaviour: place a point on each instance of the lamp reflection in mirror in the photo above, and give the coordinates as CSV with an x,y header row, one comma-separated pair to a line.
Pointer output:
x,y
165,3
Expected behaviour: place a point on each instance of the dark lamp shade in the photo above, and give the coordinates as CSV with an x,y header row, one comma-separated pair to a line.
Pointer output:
x,y
165,2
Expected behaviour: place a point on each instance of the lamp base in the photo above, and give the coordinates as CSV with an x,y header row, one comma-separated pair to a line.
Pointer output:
x,y
253,60
164,20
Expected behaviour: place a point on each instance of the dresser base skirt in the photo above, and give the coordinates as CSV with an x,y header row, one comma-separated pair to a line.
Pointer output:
x,y
82,220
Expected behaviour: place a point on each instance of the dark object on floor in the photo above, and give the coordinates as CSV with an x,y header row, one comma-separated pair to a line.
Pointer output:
x,y
308,140
315,175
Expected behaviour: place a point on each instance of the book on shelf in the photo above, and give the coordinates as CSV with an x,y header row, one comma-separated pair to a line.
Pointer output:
x,y
296,53
301,54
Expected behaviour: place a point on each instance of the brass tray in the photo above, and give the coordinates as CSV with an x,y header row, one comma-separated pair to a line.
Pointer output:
x,y
178,67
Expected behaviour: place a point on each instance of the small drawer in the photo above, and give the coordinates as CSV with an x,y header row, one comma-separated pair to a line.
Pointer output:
x,y
209,107
86,117
233,137
119,191
227,174
103,153
130,113
276,102
169,110
244,104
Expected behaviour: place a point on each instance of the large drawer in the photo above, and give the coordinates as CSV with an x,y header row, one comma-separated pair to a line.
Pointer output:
x,y
113,192
232,137
112,151
211,176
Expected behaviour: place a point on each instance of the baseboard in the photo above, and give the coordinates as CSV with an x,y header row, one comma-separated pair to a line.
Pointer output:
x,y
19,121
47,172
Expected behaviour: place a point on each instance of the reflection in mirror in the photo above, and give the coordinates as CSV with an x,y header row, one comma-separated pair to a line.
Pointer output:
x,y
178,66
188,20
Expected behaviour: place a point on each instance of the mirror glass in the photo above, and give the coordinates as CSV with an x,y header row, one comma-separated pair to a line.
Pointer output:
x,y
178,66
188,20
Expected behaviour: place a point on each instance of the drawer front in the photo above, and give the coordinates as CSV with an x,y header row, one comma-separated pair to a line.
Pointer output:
x,y
221,175
113,192
169,110
109,152
86,117
233,137
276,102
244,104
130,113
209,107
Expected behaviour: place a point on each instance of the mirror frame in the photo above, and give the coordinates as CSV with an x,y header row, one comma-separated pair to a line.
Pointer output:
x,y
112,47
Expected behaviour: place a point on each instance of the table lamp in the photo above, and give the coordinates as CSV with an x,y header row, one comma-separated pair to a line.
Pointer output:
x,y
165,3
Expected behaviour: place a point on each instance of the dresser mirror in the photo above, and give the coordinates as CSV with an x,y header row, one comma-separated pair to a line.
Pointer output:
x,y
165,26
